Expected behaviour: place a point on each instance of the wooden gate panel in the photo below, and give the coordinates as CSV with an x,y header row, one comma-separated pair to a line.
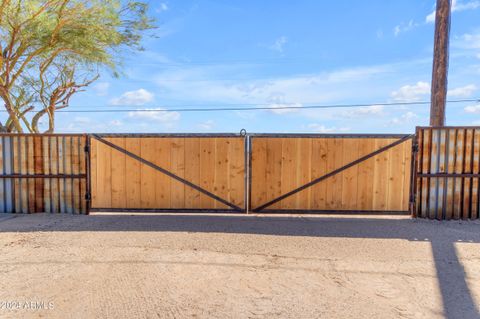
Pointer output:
x,y
215,164
282,164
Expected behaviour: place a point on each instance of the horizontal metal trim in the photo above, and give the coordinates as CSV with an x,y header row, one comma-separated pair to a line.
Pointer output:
x,y
43,176
273,135
444,175
332,212
163,210
42,135
159,135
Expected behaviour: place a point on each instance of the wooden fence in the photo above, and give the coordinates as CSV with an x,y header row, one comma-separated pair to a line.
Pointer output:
x,y
447,173
225,172
330,173
168,172
43,173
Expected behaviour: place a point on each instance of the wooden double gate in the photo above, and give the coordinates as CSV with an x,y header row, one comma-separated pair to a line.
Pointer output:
x,y
206,173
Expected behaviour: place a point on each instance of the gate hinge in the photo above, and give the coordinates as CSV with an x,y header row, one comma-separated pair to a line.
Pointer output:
x,y
88,196
86,149
415,147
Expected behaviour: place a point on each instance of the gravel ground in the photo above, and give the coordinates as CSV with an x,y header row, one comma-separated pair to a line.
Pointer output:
x,y
237,266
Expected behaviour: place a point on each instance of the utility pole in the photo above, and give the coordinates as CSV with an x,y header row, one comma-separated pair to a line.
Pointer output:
x,y
440,63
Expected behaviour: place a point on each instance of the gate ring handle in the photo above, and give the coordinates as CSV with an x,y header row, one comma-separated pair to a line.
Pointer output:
x,y
243,132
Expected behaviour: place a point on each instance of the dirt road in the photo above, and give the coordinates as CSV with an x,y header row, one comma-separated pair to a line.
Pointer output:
x,y
217,266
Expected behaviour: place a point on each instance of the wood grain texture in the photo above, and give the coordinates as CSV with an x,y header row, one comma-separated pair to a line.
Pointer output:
x,y
280,165
215,164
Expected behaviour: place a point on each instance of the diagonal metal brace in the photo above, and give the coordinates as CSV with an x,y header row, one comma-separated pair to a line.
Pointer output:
x,y
332,173
166,172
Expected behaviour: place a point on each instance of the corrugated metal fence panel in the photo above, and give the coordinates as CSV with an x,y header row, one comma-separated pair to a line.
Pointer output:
x,y
216,164
282,164
33,160
448,173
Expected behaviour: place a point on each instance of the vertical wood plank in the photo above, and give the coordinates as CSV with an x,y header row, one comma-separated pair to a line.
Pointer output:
x,y
259,165
207,171
192,171
133,174
273,170
334,191
163,182
319,168
380,184
147,149
236,153
365,175
349,176
304,169
221,171
119,199
177,161
289,171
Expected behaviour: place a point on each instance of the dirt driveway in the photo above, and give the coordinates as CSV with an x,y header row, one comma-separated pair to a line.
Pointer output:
x,y
234,266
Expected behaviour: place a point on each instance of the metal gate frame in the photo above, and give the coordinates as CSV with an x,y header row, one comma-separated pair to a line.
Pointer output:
x,y
263,208
233,208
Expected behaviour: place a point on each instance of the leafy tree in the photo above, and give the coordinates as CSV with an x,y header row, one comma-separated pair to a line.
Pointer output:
x,y
51,49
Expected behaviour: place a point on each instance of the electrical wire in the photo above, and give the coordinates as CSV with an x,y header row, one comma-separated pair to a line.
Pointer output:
x,y
258,107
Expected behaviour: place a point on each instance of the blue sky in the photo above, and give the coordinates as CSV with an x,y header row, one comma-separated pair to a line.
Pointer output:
x,y
286,53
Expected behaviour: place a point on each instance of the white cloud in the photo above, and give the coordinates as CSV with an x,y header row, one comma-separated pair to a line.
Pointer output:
x,y
470,41
101,88
162,7
156,115
457,6
412,92
404,118
207,125
284,108
404,27
464,91
320,128
363,111
279,44
472,109
134,98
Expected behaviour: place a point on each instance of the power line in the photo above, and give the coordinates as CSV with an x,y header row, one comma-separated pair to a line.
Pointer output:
x,y
258,107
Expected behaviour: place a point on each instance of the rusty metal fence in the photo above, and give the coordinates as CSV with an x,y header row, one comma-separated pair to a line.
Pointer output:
x,y
44,173
447,173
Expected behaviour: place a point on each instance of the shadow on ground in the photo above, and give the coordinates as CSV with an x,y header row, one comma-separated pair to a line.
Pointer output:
x,y
457,299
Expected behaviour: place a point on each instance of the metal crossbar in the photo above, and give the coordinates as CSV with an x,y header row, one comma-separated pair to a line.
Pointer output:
x,y
168,173
332,173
